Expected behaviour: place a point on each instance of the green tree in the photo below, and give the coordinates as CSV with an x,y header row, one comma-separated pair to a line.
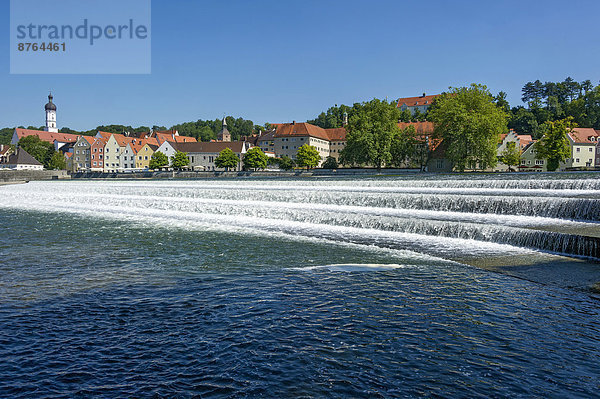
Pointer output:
x,y
158,160
554,144
308,157
511,156
286,163
371,129
179,160
6,135
57,161
42,151
470,122
330,163
227,159
403,148
417,116
254,158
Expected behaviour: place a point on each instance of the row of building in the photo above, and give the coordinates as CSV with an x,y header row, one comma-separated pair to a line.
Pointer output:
x,y
584,144
110,152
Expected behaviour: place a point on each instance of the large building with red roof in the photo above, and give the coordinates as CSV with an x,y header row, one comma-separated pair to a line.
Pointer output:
x,y
288,137
421,103
584,144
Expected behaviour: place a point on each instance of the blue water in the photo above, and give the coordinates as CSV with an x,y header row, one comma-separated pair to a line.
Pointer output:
x,y
109,307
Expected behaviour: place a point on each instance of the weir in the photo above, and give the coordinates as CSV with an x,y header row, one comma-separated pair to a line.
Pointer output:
x,y
444,217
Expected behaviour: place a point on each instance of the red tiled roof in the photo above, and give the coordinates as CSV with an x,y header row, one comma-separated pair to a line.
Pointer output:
x,y
582,135
336,134
47,136
212,146
415,101
297,129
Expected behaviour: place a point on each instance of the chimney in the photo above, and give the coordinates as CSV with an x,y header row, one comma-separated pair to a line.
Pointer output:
x,y
424,94
293,122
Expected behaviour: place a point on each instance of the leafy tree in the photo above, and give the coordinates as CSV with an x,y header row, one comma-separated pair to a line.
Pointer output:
x,y
524,121
403,146
554,144
308,157
502,102
286,163
330,163
6,135
417,116
42,151
57,161
158,160
470,122
370,131
511,156
405,116
227,159
254,158
179,160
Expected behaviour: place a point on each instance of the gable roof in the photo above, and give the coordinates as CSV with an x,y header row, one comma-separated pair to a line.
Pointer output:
x,y
21,157
416,101
212,146
299,129
46,136
582,135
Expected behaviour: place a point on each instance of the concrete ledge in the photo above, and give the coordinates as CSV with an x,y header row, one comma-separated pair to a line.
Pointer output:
x,y
204,175
7,175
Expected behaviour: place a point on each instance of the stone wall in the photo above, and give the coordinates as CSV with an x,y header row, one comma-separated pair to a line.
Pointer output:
x,y
8,175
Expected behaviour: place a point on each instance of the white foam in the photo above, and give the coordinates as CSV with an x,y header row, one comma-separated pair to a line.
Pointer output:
x,y
354,267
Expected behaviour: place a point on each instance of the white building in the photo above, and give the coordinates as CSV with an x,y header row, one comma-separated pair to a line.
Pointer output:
x,y
413,104
21,160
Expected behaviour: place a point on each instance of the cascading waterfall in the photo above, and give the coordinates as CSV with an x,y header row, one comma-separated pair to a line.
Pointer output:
x,y
446,217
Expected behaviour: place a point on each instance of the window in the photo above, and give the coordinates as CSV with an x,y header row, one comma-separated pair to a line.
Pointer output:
x,y
77,152
591,149
440,163
94,163
146,158
100,150
577,160
93,157
578,149
522,162
539,161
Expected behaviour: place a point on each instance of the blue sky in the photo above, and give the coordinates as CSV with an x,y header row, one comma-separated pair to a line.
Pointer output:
x,y
276,61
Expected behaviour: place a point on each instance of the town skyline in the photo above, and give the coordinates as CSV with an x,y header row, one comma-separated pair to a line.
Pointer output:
x,y
250,61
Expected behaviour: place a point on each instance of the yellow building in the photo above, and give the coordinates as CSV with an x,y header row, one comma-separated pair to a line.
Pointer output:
x,y
143,155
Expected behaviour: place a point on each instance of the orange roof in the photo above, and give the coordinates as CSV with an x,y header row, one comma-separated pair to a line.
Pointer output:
x,y
172,136
582,135
306,129
336,134
89,139
68,154
415,101
420,127
47,136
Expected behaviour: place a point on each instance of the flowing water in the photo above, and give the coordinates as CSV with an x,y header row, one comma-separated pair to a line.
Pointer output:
x,y
301,288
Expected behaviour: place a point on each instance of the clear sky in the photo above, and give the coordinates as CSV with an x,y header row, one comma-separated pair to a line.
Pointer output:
x,y
283,60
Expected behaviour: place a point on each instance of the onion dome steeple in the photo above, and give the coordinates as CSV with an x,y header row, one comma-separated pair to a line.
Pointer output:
x,y
50,106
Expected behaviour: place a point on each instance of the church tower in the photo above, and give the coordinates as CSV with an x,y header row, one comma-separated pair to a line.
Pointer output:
x,y
224,134
50,116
